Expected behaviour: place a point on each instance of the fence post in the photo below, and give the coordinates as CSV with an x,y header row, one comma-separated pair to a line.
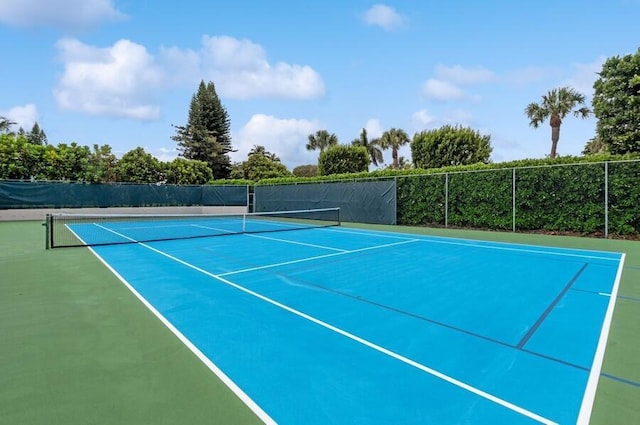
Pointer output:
x,y
606,199
513,197
446,200
395,201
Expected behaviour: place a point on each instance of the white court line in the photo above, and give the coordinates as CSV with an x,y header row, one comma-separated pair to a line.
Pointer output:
x,y
475,244
326,325
203,358
296,242
364,342
275,239
317,257
592,383
200,226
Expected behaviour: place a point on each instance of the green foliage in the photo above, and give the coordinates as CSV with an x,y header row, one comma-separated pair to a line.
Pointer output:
x,y
321,140
594,146
393,139
64,162
421,199
342,159
18,158
207,134
562,198
310,170
568,197
37,136
187,171
101,167
5,125
449,145
231,182
137,166
22,160
373,147
624,197
260,164
616,104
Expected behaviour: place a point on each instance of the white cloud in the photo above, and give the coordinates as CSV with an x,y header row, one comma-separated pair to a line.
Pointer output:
x,y
459,75
374,129
284,137
384,16
241,71
421,119
124,79
442,90
163,154
62,14
448,79
584,75
112,81
24,116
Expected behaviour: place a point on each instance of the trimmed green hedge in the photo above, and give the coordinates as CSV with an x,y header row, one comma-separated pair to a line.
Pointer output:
x,y
569,196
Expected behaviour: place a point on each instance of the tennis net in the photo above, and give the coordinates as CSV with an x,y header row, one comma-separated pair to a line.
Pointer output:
x,y
75,230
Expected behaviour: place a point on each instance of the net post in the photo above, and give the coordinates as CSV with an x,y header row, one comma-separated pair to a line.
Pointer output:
x,y
446,200
47,232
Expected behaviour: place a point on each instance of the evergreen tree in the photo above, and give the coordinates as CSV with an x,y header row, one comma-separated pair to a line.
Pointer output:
x,y
207,134
37,135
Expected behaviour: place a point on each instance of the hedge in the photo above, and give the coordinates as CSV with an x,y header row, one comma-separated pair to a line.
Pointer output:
x,y
564,194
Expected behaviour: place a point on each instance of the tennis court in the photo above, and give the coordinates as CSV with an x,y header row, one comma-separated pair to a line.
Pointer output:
x,y
328,324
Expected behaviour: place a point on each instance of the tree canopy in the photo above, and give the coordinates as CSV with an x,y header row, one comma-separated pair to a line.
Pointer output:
x,y
5,124
308,170
448,146
321,140
341,159
555,106
616,104
393,139
372,146
138,166
260,164
207,134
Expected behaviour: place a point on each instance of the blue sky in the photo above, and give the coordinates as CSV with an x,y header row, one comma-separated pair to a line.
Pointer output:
x,y
121,72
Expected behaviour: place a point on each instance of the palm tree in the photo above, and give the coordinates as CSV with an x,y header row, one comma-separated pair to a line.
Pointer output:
x,y
393,139
556,105
321,140
375,153
260,150
5,125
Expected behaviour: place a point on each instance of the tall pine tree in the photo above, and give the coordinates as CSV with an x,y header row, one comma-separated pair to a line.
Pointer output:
x,y
37,135
207,134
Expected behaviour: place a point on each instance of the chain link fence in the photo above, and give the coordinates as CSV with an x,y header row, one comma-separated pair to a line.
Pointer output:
x,y
591,198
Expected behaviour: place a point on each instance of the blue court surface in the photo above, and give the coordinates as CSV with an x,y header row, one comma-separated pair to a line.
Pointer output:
x,y
344,326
